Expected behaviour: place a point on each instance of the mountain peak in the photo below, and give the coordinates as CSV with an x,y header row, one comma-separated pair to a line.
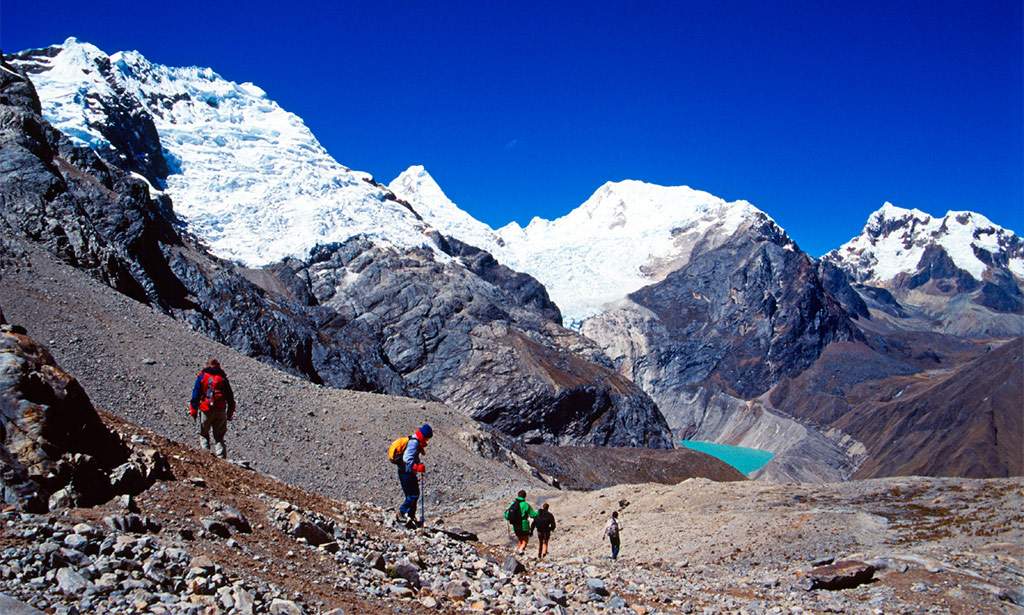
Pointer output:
x,y
417,179
248,177
627,235
895,239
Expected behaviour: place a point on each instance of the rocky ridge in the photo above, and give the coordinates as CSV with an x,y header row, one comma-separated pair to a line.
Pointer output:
x,y
723,329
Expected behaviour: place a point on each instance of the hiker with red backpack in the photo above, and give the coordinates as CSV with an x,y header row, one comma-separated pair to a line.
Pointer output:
x,y
212,396
405,453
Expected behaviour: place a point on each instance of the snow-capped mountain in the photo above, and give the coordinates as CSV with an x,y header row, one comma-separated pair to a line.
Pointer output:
x,y
248,177
895,239
626,236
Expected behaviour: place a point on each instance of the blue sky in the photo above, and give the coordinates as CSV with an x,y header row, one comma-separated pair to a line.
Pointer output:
x,y
815,112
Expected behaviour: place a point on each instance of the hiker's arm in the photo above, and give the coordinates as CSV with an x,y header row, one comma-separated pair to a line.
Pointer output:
x,y
197,392
410,459
230,397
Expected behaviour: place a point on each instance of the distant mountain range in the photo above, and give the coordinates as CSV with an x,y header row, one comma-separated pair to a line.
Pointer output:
x,y
672,296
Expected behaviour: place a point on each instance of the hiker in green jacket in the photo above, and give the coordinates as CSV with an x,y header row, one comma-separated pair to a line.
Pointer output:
x,y
518,514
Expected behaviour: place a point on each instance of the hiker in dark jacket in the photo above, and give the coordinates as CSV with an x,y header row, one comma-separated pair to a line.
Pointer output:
x,y
518,515
544,524
212,396
407,470
612,532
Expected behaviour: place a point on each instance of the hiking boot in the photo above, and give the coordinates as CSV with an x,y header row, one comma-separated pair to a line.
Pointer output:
x,y
401,519
204,443
220,450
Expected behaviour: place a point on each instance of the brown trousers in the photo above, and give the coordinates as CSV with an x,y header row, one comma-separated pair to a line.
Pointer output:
x,y
217,420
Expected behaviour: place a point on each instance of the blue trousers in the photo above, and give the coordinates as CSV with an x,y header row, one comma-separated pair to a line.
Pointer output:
x,y
411,489
615,546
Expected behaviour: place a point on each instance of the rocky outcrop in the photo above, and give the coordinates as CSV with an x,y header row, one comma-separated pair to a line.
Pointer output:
x,y
733,320
525,289
461,339
55,451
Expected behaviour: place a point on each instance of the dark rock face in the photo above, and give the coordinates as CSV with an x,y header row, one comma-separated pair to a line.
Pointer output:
x,y
525,289
52,438
461,339
840,286
961,420
734,319
747,313
468,331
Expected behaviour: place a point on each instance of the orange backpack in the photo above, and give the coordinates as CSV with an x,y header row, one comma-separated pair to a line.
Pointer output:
x,y
397,449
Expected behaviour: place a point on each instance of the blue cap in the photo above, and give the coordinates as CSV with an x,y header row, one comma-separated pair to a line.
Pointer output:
x,y
426,431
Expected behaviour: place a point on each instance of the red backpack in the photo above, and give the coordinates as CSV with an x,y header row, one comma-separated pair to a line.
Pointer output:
x,y
214,395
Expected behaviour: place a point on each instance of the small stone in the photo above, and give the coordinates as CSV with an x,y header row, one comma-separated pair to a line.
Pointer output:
x,y
408,571
400,591
512,565
429,601
456,591
235,519
203,562
284,607
557,596
596,586
244,601
63,498
75,541
71,582
215,527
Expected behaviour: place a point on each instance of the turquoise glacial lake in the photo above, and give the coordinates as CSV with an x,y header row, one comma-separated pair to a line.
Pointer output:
x,y
745,460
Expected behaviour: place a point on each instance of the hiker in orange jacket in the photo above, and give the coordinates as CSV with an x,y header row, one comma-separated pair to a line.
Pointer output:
x,y
407,470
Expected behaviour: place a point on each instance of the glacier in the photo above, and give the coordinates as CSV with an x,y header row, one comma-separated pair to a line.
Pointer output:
x,y
627,235
248,178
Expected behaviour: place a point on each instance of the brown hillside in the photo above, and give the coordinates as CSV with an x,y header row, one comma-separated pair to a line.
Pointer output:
x,y
964,423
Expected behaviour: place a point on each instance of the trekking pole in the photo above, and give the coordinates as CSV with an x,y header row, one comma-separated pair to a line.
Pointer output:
x,y
423,497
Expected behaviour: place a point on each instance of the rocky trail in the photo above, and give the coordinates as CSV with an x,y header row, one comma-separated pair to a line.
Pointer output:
x,y
221,538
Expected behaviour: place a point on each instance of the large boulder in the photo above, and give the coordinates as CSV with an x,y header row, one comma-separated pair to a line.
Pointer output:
x,y
50,435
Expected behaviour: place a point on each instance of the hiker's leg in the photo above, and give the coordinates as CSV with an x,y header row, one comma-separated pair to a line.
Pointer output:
x,y
204,430
219,419
411,489
615,548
